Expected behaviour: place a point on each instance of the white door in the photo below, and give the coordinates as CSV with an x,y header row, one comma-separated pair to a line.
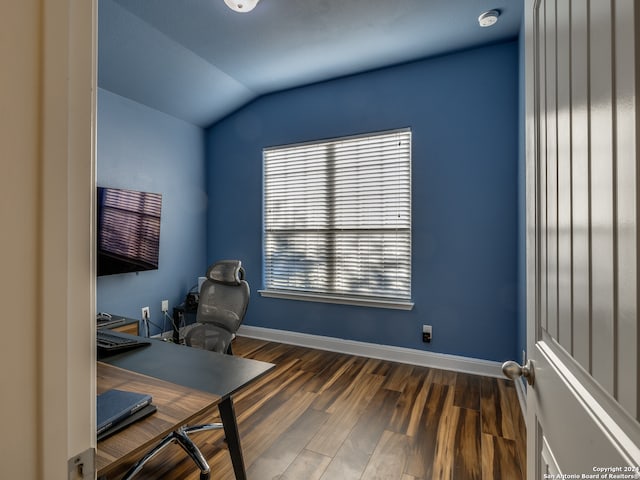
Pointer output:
x,y
582,239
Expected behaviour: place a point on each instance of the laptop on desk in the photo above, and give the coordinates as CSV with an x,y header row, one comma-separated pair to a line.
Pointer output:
x,y
117,409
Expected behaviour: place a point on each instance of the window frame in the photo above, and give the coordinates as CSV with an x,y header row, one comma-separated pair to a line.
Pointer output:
x,y
400,302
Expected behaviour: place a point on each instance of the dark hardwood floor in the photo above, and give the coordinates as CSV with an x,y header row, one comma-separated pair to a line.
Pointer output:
x,y
329,416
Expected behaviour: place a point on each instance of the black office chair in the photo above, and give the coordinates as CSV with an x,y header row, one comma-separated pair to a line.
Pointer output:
x,y
223,301
222,304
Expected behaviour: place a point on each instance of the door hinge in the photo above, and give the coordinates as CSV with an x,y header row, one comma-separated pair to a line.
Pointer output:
x,y
83,465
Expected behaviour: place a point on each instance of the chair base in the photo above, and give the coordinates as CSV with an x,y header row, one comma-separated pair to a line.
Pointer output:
x,y
181,437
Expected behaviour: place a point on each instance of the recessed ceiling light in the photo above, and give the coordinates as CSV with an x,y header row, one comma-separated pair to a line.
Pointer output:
x,y
241,6
488,18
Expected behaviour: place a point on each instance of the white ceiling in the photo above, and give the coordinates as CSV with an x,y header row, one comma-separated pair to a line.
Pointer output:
x,y
199,61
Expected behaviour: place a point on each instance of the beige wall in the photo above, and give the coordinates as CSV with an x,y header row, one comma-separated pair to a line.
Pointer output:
x,y
46,190
19,212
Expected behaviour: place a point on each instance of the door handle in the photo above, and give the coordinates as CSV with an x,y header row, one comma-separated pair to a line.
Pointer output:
x,y
512,370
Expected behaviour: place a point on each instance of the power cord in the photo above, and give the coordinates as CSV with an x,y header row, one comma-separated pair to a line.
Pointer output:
x,y
173,324
147,322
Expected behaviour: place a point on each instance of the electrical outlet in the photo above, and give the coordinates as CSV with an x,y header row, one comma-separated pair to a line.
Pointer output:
x,y
165,306
145,313
426,333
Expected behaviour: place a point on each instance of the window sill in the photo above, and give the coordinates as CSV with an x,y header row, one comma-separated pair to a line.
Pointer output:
x,y
363,302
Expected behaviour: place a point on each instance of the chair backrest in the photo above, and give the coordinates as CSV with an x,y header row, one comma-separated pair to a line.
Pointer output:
x,y
224,296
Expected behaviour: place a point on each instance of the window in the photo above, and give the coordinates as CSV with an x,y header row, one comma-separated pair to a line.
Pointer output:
x,y
337,220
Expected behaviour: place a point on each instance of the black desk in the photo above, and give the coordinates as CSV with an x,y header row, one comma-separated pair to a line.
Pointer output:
x,y
210,372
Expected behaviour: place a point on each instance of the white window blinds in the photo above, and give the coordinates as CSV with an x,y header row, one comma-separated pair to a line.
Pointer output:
x,y
337,216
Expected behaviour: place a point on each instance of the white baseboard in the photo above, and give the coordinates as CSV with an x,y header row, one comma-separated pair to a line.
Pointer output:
x,y
372,350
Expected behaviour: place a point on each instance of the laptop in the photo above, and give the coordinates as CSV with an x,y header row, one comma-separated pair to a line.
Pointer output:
x,y
139,415
115,406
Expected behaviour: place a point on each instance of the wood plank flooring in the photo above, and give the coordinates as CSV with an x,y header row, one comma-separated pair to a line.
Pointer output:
x,y
329,416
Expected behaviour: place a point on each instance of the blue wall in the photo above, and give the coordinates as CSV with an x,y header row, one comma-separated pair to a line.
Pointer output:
x,y
142,149
463,112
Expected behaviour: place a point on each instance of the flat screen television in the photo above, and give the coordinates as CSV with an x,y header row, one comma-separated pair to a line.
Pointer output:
x,y
128,232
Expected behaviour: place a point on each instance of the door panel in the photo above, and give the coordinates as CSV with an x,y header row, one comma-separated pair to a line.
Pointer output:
x,y
602,187
582,266
581,430
579,144
563,118
551,173
626,220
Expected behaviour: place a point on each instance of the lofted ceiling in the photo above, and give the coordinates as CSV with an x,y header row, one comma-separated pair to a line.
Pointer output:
x,y
199,61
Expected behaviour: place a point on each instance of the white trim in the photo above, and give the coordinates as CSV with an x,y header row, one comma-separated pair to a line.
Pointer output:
x,y
411,356
65,284
521,390
341,300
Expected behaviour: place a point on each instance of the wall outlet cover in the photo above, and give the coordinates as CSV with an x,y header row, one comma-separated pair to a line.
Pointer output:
x,y
427,332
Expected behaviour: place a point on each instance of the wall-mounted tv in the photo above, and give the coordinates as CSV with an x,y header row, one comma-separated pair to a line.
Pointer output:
x,y
128,232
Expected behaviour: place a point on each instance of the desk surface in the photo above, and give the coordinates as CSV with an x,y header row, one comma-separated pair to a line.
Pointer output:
x,y
184,383
176,405
210,372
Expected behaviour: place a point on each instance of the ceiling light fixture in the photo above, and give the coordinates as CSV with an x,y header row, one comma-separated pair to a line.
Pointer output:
x,y
241,6
487,18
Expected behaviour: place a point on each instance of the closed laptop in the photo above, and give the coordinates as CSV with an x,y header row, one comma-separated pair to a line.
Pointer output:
x,y
114,406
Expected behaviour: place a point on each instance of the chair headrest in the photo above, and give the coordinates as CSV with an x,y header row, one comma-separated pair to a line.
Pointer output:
x,y
229,272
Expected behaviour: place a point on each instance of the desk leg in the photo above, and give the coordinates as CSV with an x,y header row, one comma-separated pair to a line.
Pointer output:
x,y
228,416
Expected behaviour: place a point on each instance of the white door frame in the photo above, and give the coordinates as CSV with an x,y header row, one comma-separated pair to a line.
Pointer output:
x,y
69,51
